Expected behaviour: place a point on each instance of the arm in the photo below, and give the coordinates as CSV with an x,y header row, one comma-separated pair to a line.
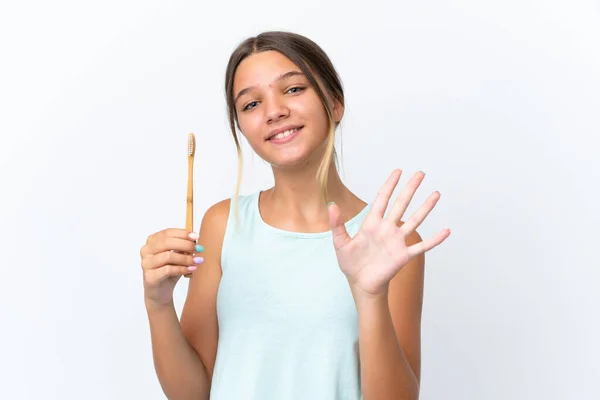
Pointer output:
x,y
179,369
184,352
199,315
389,335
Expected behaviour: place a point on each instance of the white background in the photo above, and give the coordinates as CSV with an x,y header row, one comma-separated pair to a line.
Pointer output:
x,y
498,102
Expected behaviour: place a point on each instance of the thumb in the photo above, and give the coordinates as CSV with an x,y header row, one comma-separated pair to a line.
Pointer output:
x,y
340,234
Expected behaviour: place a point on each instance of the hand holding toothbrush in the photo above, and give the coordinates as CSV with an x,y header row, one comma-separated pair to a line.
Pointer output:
x,y
171,253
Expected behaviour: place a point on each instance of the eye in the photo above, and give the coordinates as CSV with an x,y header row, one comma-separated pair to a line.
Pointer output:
x,y
295,89
249,106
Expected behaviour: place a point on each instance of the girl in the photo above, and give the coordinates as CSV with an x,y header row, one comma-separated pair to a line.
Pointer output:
x,y
301,291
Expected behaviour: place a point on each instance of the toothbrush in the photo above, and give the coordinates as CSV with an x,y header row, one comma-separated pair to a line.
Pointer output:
x,y
189,214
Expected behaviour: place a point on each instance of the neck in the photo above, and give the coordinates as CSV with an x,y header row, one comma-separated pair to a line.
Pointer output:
x,y
297,194
299,187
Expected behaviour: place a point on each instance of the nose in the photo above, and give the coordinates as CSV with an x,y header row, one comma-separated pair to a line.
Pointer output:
x,y
276,110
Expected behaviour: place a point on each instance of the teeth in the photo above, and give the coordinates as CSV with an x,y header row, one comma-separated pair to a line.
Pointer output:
x,y
284,134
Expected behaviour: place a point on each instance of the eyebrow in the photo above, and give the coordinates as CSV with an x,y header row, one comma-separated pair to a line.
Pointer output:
x,y
279,78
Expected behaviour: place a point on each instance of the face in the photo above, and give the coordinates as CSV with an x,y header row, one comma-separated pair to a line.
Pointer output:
x,y
279,112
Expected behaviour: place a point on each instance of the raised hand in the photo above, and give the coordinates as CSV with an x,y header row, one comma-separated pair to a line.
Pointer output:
x,y
378,251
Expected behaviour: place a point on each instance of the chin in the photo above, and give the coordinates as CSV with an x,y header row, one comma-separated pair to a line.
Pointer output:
x,y
287,162
291,159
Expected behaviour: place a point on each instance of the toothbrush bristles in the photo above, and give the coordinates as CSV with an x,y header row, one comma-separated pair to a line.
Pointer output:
x,y
191,144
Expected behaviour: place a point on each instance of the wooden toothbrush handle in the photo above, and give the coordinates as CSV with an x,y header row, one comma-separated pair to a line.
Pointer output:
x,y
189,211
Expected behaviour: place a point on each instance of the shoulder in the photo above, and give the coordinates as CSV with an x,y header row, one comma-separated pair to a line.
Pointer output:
x,y
218,213
214,224
410,277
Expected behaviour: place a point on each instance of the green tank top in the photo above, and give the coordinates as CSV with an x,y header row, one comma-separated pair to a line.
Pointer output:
x,y
288,325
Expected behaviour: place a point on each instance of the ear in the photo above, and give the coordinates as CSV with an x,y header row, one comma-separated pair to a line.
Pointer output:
x,y
338,111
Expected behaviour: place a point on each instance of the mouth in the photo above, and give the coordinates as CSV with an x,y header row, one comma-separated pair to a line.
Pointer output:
x,y
285,136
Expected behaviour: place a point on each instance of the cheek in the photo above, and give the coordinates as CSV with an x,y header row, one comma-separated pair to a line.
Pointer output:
x,y
249,126
310,107
319,114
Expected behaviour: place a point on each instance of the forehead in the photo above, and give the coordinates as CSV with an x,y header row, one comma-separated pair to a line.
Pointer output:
x,y
262,69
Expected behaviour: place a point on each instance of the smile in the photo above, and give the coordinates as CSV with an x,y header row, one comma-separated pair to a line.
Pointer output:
x,y
285,136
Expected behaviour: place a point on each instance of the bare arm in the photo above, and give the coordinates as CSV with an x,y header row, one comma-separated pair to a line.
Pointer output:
x,y
179,369
389,332
184,351
199,316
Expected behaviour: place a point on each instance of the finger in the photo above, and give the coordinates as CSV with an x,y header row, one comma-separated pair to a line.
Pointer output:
x,y
160,274
405,197
419,216
171,258
383,196
428,244
183,234
172,243
178,233
338,229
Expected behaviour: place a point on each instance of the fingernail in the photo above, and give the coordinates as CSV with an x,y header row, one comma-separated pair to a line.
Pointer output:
x,y
198,260
194,236
330,203
199,248
192,268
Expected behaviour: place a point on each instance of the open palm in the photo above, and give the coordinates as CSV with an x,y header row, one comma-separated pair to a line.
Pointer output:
x,y
378,251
